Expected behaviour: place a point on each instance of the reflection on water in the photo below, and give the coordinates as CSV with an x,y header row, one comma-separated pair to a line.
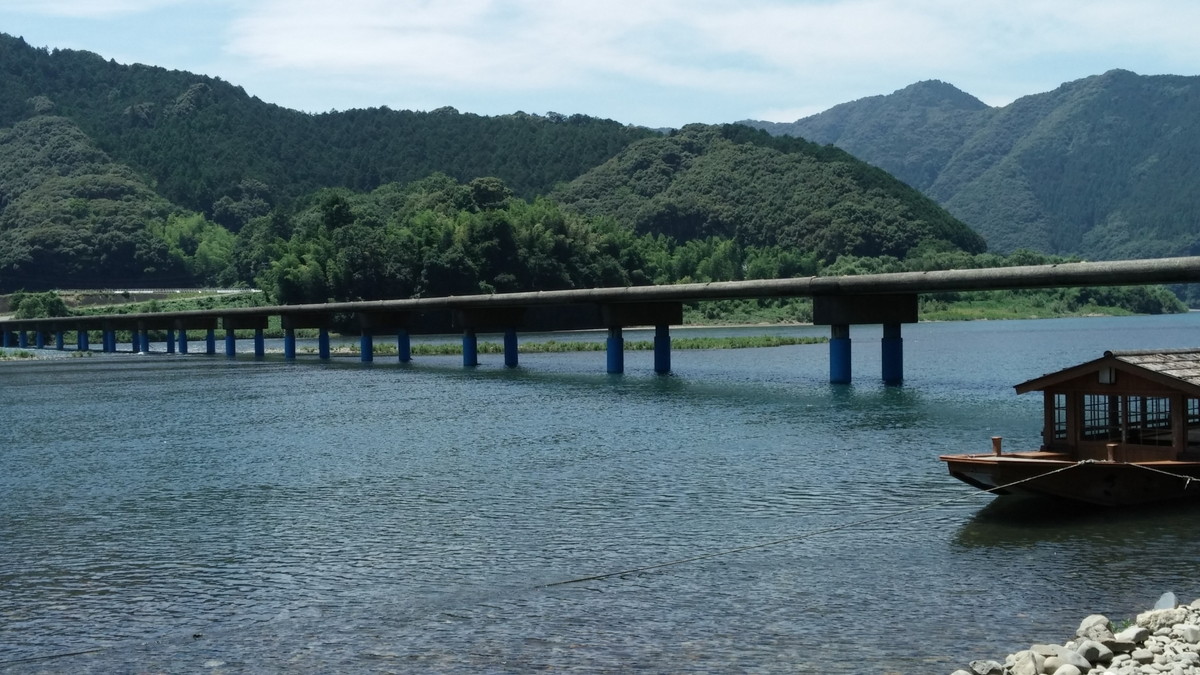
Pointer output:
x,y
181,512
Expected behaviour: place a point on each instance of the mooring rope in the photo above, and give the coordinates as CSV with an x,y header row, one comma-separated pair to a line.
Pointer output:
x,y
704,556
814,533
1187,480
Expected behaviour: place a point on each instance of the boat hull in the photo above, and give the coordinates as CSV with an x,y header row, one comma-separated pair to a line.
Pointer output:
x,y
1093,482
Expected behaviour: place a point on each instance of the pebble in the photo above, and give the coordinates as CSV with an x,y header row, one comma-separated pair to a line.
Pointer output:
x,y
1163,640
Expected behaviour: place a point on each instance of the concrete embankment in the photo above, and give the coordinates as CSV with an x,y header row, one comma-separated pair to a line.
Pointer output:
x,y
1162,641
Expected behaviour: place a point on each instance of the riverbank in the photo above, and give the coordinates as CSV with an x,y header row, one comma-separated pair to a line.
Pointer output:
x,y
1163,640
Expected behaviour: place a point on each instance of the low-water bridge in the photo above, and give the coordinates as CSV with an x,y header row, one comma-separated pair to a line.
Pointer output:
x,y
838,302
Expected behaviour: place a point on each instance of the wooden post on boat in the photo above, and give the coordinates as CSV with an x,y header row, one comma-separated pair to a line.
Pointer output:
x,y
996,440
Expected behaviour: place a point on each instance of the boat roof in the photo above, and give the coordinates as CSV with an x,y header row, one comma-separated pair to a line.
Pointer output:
x,y
1174,368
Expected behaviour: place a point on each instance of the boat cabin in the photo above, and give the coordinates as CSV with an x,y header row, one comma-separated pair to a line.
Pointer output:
x,y
1127,406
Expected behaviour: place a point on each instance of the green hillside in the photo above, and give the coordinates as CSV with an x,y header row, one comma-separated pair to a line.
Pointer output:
x,y
734,182
200,139
1101,167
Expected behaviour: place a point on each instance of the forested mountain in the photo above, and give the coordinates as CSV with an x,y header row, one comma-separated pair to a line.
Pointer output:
x,y
734,182
115,175
200,139
67,210
1102,167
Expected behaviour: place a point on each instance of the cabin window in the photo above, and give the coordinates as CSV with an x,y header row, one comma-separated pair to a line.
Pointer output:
x,y
1060,416
1149,420
1193,412
1101,417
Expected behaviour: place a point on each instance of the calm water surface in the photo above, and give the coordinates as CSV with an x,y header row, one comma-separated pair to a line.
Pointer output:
x,y
193,514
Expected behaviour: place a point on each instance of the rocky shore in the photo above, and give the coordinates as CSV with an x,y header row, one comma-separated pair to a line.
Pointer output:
x,y
1162,641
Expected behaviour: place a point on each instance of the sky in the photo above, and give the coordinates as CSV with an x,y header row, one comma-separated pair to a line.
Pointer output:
x,y
656,63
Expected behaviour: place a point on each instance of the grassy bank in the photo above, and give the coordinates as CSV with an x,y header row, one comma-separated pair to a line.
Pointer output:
x,y
555,346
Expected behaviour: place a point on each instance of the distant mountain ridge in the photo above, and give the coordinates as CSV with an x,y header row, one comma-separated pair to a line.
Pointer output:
x,y
1102,167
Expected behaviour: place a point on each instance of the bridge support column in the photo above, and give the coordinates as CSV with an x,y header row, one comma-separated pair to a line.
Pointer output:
x,y
260,346
183,341
289,344
22,339
893,354
323,343
230,343
39,339
366,347
133,341
5,338
470,343
662,349
59,340
839,354
170,340
403,346
81,340
616,351
110,340
210,341
510,348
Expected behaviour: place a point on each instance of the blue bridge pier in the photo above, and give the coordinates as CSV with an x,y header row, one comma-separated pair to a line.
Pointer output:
x,y
235,322
839,312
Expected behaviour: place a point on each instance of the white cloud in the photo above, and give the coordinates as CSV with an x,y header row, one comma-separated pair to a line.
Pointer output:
x,y
89,9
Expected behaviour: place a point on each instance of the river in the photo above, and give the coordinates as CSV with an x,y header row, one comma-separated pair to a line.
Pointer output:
x,y
196,514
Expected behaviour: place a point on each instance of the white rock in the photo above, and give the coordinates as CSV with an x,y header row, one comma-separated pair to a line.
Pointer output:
x,y
1094,652
1139,655
1188,633
1094,627
1166,601
986,667
1027,663
1067,669
1157,619
1133,634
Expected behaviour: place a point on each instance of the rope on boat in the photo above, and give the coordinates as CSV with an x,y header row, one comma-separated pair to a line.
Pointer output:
x,y
814,533
1187,480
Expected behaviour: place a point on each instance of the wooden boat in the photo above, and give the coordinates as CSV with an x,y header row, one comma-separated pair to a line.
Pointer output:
x,y
1122,429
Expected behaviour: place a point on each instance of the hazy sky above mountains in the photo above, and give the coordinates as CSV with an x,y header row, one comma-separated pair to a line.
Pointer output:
x,y
649,62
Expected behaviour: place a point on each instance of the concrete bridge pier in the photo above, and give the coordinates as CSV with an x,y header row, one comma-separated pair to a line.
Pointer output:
x,y
892,354
470,348
295,320
39,339
403,346
170,340
842,311
615,349
840,355
375,322
210,341
662,349
59,340
661,315
81,339
366,347
255,322
511,356
498,319
183,341
323,344
22,339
